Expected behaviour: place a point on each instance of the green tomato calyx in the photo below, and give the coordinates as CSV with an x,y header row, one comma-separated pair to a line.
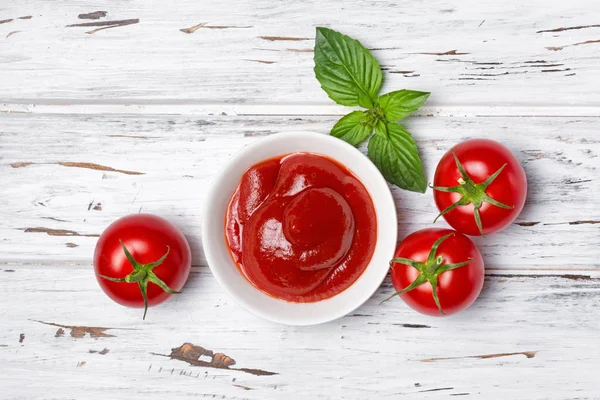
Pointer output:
x,y
429,271
142,274
472,193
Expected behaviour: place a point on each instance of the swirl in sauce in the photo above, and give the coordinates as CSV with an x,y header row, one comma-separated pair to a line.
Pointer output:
x,y
301,227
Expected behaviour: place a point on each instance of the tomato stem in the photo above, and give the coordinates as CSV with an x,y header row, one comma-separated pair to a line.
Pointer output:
x,y
472,193
142,274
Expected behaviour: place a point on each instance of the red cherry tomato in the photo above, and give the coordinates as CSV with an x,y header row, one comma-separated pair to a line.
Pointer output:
x,y
141,260
437,271
479,187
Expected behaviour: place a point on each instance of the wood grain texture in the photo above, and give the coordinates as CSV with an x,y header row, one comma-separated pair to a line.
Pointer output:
x,y
465,52
67,177
135,111
532,337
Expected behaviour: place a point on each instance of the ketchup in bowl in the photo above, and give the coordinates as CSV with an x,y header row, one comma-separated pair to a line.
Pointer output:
x,y
301,227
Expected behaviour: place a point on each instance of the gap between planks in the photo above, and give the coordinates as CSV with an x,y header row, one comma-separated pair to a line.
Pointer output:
x,y
575,271
198,107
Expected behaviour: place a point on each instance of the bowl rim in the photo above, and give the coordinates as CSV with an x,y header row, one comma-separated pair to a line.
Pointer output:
x,y
281,311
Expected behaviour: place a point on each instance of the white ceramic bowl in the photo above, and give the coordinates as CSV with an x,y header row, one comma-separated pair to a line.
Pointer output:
x,y
228,274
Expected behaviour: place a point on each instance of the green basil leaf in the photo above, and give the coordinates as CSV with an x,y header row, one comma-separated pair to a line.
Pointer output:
x,y
397,105
346,69
397,157
381,129
352,128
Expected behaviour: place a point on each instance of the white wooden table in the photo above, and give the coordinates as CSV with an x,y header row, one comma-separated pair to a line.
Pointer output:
x,y
98,123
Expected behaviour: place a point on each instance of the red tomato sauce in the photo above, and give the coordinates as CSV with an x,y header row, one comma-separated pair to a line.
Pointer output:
x,y
301,227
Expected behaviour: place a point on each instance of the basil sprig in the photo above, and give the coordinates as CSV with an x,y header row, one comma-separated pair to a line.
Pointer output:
x,y
351,76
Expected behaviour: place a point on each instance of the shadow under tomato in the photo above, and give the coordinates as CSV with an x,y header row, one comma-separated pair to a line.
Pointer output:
x,y
532,188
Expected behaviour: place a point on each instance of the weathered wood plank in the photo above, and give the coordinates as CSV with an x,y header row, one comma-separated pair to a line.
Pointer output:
x,y
199,108
465,52
65,178
528,337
